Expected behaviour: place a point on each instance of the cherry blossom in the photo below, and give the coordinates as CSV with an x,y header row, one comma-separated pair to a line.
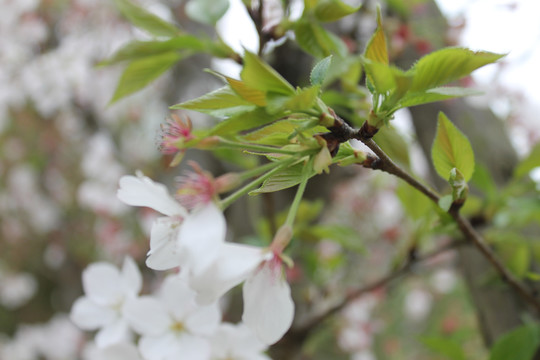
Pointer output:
x,y
107,291
236,342
268,306
190,240
172,325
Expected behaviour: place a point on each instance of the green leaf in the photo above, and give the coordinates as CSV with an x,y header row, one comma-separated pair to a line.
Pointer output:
x,y
141,72
435,94
415,204
276,133
332,10
445,202
529,163
207,11
393,144
242,122
261,76
446,65
284,179
518,344
516,255
318,74
254,96
317,41
146,20
222,102
376,49
139,49
451,149
446,347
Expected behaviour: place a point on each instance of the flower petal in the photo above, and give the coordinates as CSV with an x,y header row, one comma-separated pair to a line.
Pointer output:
x,y
174,347
204,320
115,332
177,297
237,342
234,264
142,191
201,236
268,306
88,315
102,283
131,277
147,316
163,254
120,351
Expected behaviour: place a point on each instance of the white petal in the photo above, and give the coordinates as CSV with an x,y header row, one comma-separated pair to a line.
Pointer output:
x,y
174,347
102,283
201,235
113,333
131,277
204,320
177,297
147,316
237,342
163,254
233,265
268,306
88,315
120,351
142,191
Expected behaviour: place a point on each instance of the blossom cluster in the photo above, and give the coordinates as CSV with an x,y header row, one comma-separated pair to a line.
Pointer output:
x,y
184,316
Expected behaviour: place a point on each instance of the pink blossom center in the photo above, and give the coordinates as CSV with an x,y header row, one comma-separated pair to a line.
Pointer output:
x,y
173,134
196,188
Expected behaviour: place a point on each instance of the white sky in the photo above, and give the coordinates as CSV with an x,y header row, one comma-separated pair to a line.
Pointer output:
x,y
503,26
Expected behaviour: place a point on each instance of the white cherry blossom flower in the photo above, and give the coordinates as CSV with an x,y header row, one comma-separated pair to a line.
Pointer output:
x,y
190,240
236,342
119,351
172,325
268,306
107,290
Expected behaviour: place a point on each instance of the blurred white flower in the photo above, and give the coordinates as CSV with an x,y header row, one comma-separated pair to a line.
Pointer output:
x,y
417,304
189,240
172,325
16,289
236,342
119,351
444,280
107,291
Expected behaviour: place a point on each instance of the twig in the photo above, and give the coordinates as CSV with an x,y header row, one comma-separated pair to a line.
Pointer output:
x,y
343,132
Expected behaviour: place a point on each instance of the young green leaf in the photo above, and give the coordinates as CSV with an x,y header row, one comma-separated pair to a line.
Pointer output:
x,y
451,149
448,348
318,74
446,65
518,344
284,179
530,162
435,94
261,76
376,49
332,10
241,122
207,11
317,41
146,20
141,72
222,102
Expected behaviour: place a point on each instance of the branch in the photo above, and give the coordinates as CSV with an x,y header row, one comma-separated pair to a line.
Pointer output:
x,y
342,132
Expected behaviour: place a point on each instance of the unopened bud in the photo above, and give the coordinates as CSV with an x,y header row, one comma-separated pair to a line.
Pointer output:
x,y
326,120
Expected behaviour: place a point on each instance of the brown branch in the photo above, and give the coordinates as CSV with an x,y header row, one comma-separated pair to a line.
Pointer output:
x,y
384,163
